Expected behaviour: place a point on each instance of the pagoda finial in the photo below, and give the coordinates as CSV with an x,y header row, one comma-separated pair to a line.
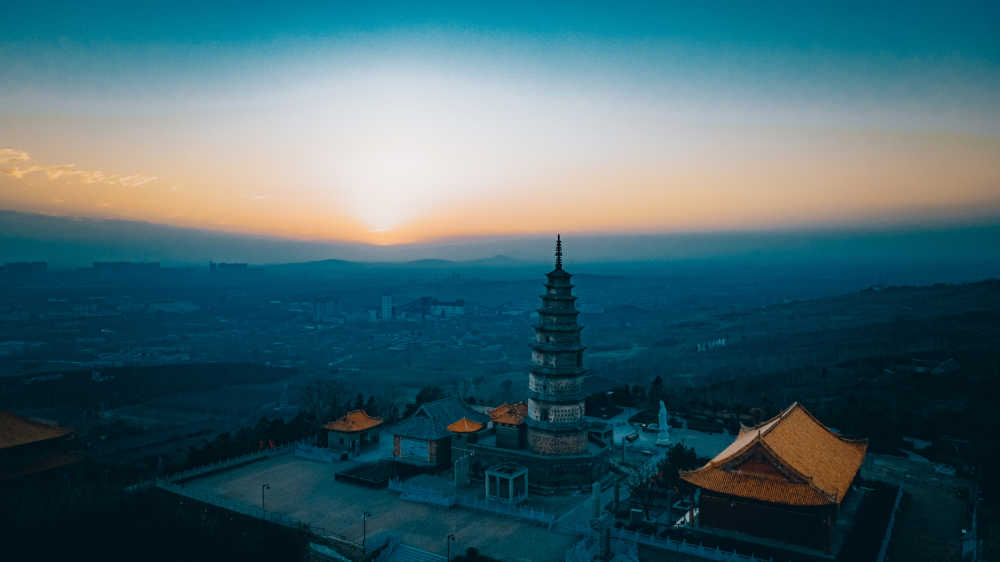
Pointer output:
x,y
558,252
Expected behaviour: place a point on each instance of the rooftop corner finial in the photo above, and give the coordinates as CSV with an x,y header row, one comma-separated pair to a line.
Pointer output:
x,y
558,252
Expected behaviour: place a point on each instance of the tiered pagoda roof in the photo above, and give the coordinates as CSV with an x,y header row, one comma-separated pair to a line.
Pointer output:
x,y
353,421
791,459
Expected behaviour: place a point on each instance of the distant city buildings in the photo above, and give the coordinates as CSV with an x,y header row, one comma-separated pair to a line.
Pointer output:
x,y
386,307
444,309
223,267
430,307
126,267
710,345
327,311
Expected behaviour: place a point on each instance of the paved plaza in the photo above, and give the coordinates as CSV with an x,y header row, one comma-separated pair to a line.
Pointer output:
x,y
307,491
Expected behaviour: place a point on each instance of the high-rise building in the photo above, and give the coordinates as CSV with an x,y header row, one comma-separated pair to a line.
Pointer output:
x,y
386,307
555,383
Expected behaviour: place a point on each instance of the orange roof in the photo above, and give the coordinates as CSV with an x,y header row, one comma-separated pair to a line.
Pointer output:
x,y
510,414
355,420
15,430
465,425
32,466
790,459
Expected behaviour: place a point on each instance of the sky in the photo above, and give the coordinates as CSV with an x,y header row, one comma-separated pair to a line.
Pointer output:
x,y
392,123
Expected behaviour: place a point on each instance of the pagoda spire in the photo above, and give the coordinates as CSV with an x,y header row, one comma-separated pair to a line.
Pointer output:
x,y
558,252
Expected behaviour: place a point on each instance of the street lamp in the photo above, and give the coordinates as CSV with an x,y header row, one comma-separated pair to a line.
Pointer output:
x,y
451,539
364,530
264,486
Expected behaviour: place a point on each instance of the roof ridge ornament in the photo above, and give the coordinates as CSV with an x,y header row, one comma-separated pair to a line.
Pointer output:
x,y
558,251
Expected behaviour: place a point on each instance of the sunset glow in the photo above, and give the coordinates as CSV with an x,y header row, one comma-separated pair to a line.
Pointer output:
x,y
386,130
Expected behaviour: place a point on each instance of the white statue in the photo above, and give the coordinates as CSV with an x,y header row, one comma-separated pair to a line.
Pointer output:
x,y
664,426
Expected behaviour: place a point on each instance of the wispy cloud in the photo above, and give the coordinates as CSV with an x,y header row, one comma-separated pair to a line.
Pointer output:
x,y
18,164
11,155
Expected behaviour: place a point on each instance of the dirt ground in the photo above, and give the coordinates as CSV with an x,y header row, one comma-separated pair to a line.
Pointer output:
x,y
307,491
933,512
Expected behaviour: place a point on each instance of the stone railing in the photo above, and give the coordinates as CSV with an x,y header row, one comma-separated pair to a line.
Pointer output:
x,y
556,395
553,425
215,466
254,511
318,454
422,494
888,529
517,511
684,547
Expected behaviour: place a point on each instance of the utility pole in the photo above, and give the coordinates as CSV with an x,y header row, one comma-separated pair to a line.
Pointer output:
x,y
264,486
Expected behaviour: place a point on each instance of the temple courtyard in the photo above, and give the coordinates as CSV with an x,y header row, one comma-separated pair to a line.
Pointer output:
x,y
928,526
306,490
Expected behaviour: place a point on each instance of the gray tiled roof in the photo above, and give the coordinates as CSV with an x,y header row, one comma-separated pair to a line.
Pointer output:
x,y
431,420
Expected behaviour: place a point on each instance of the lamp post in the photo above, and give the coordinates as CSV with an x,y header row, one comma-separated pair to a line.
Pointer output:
x,y
364,530
451,539
264,486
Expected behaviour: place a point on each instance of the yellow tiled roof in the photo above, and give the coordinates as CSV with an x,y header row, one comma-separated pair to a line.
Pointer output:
x,y
465,425
15,430
355,420
813,465
510,414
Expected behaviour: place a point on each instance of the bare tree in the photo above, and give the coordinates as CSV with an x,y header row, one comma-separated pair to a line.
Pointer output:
x,y
320,400
642,488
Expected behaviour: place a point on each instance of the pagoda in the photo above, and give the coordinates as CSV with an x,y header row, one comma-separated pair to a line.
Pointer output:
x,y
555,383
544,443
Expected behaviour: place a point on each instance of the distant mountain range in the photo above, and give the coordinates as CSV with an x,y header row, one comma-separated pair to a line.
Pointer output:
x,y
78,242
427,263
67,242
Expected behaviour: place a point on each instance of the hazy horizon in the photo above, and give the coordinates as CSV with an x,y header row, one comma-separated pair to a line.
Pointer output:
x,y
969,249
